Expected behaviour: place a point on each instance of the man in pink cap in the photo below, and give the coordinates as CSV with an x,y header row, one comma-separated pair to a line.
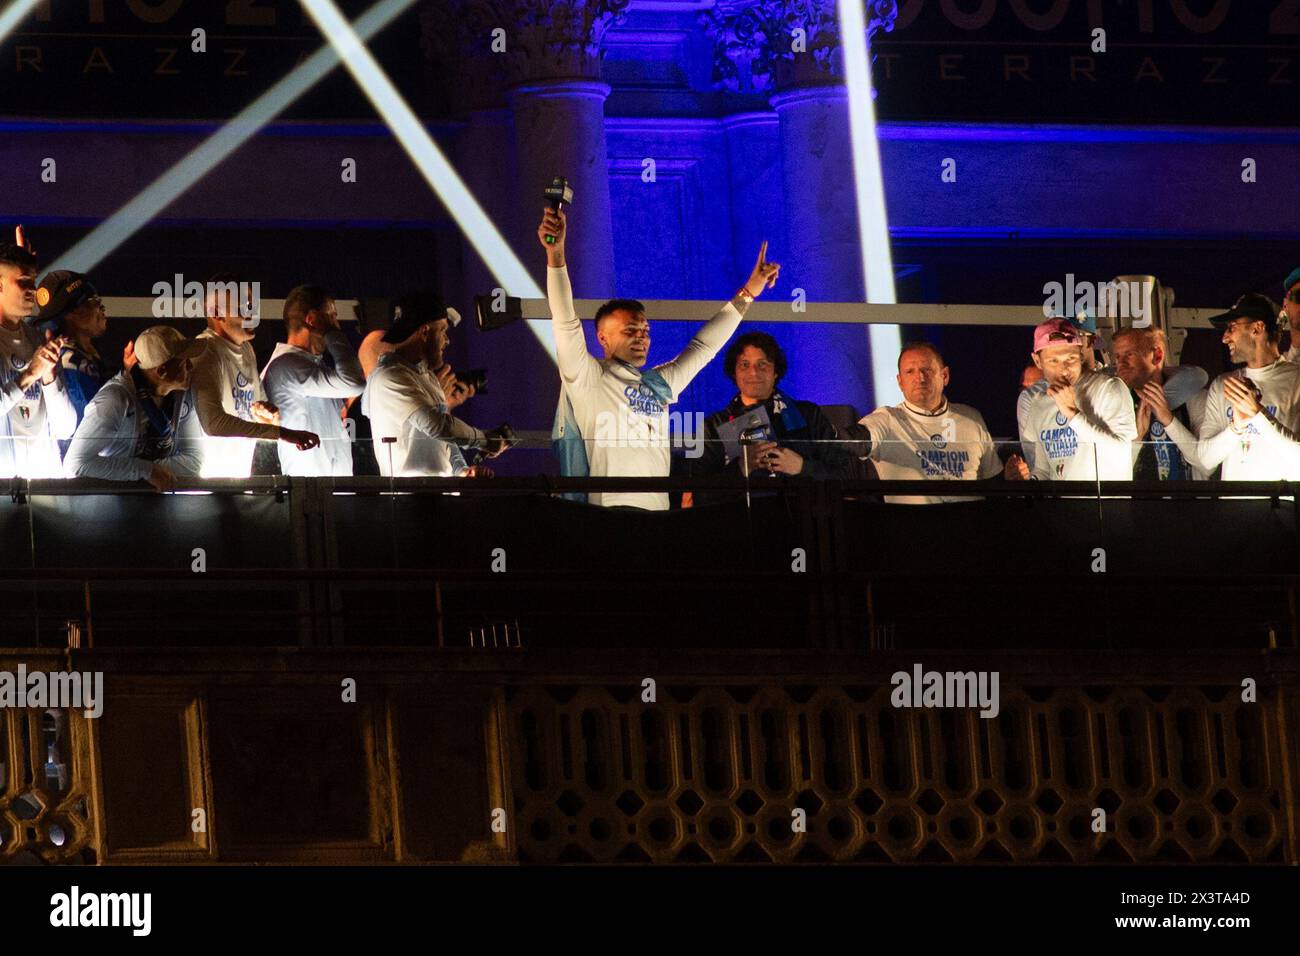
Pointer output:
x,y
1075,425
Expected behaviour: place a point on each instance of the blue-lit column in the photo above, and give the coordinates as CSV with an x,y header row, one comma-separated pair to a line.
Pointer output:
x,y
526,80
822,255
559,128
791,49
754,163
551,55
820,205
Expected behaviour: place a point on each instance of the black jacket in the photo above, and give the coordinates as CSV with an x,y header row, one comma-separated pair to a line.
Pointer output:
x,y
799,426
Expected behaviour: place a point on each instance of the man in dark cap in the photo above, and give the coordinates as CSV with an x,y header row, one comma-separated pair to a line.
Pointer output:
x,y
35,411
1252,414
1086,323
71,307
410,395
1291,306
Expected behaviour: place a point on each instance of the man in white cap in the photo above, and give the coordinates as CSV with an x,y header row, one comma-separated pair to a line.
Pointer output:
x,y
228,393
410,395
1075,425
141,424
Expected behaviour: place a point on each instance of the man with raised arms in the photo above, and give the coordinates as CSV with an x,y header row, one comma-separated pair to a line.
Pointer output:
x,y
613,415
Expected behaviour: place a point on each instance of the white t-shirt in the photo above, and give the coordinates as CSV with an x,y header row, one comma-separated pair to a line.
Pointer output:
x,y
907,443
31,421
1266,449
406,402
310,396
1094,445
624,426
225,385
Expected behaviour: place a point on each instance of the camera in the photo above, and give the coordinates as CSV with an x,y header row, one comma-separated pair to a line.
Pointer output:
x,y
475,378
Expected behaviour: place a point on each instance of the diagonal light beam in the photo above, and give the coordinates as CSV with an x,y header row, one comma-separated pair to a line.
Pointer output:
x,y
873,223
132,217
15,14
437,172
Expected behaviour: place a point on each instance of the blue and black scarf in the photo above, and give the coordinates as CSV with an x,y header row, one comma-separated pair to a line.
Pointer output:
x,y
161,422
566,438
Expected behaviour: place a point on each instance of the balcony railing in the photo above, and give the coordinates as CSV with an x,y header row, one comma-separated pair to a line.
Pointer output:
x,y
548,756
319,562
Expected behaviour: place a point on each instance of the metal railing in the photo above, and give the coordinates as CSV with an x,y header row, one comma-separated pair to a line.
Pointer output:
x,y
321,562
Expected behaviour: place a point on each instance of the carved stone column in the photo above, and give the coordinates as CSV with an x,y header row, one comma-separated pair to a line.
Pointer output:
x,y
764,45
560,131
545,57
526,76
791,48
457,38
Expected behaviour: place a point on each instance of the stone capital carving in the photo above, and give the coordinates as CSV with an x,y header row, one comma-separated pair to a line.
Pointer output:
x,y
493,44
767,45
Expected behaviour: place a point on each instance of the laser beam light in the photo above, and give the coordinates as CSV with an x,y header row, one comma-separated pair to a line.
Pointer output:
x,y
873,223
131,218
15,14
471,218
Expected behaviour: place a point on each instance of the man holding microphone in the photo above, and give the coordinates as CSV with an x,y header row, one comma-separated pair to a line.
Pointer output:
x,y
613,415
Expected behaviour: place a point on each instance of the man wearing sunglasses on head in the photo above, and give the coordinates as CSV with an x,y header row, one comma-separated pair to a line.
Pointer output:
x,y
35,410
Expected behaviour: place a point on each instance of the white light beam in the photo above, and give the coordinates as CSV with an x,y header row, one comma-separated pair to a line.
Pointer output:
x,y
873,223
15,14
478,228
127,221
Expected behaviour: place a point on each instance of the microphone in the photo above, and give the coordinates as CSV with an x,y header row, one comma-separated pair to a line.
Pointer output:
x,y
750,437
556,195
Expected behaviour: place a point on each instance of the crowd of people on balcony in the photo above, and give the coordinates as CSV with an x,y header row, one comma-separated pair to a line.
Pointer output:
x,y
184,408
